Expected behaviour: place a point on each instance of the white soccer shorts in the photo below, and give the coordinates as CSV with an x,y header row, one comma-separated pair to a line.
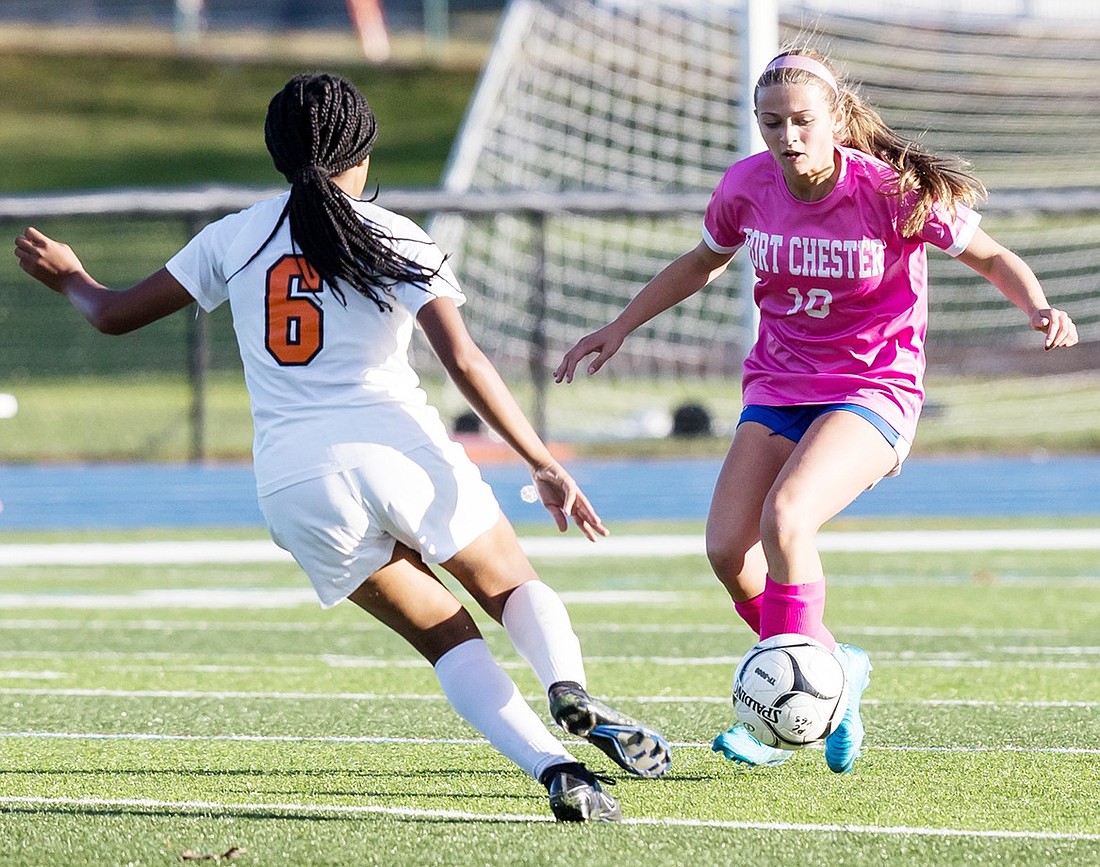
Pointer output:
x,y
341,527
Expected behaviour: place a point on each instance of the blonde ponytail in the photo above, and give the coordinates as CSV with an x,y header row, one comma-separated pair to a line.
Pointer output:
x,y
935,180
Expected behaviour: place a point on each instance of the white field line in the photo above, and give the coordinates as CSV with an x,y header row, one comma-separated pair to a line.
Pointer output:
x,y
207,807
32,675
397,741
1005,654
522,666
211,598
203,598
910,660
263,551
246,695
1065,659
254,598
250,598
51,624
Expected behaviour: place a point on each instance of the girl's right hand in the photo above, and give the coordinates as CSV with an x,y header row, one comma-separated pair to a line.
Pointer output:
x,y
48,261
604,343
1057,325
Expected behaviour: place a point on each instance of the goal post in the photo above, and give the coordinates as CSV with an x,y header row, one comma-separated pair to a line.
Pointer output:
x,y
759,44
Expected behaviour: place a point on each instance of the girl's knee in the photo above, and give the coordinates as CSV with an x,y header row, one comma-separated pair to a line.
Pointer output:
x,y
726,557
784,524
739,568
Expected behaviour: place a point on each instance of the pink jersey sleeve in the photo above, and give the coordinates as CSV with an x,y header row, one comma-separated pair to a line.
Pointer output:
x,y
719,231
950,230
723,229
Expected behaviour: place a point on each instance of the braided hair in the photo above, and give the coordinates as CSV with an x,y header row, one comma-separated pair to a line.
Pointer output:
x,y
933,179
320,125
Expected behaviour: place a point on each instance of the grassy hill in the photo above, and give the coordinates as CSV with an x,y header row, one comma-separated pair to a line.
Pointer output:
x,y
83,121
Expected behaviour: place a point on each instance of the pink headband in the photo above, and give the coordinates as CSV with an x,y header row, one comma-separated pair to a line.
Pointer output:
x,y
806,64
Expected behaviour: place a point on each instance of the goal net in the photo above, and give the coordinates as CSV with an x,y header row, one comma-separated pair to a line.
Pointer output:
x,y
642,99
593,97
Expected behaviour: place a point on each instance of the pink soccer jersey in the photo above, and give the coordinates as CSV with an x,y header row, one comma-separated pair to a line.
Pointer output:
x,y
842,294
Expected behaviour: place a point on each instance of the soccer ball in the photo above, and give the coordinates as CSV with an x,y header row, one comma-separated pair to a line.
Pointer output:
x,y
789,691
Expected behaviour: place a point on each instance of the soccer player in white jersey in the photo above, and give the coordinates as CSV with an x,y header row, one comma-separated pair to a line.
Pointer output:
x,y
834,218
355,472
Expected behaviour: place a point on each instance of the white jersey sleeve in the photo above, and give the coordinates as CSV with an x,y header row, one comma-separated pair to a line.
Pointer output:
x,y
200,265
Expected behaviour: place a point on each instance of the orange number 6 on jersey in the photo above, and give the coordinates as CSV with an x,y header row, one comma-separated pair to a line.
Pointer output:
x,y
294,316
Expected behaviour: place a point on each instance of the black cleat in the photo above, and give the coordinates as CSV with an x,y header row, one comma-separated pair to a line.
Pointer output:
x,y
628,743
576,794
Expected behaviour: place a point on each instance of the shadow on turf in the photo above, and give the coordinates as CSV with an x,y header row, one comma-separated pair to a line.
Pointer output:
x,y
231,812
316,814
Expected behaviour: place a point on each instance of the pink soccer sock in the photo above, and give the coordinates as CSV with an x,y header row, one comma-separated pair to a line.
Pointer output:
x,y
749,610
794,608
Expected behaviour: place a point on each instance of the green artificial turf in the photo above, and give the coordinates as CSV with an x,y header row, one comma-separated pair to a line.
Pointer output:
x,y
156,710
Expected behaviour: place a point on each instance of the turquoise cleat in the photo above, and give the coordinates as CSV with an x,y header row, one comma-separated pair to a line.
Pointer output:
x,y
739,746
842,747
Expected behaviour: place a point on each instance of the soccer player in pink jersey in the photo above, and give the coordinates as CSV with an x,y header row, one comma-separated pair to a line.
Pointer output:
x,y
355,472
834,218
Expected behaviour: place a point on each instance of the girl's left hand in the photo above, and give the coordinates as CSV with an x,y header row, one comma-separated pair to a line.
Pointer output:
x,y
564,499
1059,328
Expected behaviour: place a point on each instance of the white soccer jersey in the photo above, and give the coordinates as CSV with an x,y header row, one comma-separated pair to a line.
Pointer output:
x,y
323,378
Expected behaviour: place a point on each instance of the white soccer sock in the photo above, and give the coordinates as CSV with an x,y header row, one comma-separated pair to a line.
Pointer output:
x,y
538,624
484,696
